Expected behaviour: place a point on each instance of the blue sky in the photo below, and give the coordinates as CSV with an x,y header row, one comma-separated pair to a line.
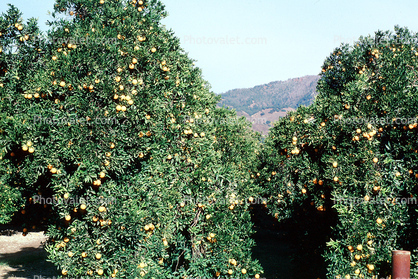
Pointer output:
x,y
243,43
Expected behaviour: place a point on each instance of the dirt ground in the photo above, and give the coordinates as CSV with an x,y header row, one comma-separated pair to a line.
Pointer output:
x,y
23,257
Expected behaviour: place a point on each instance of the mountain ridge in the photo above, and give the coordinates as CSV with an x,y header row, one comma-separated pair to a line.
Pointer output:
x,y
263,104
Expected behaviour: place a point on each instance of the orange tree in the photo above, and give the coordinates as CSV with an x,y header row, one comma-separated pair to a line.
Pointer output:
x,y
116,134
350,159
19,58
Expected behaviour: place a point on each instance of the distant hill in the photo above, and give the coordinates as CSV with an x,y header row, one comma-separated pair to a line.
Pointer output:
x,y
264,104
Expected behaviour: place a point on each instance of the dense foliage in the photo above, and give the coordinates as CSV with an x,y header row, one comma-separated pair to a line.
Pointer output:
x,y
352,156
108,126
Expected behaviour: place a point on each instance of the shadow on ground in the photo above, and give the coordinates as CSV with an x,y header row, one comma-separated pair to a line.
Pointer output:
x,y
290,249
23,257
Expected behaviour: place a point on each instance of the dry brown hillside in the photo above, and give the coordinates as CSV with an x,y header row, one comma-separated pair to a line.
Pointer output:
x,y
264,104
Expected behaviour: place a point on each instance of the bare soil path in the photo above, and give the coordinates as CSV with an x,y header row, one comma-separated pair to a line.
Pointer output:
x,y
23,257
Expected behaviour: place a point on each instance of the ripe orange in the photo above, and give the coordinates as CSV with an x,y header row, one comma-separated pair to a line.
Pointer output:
x,y
98,256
